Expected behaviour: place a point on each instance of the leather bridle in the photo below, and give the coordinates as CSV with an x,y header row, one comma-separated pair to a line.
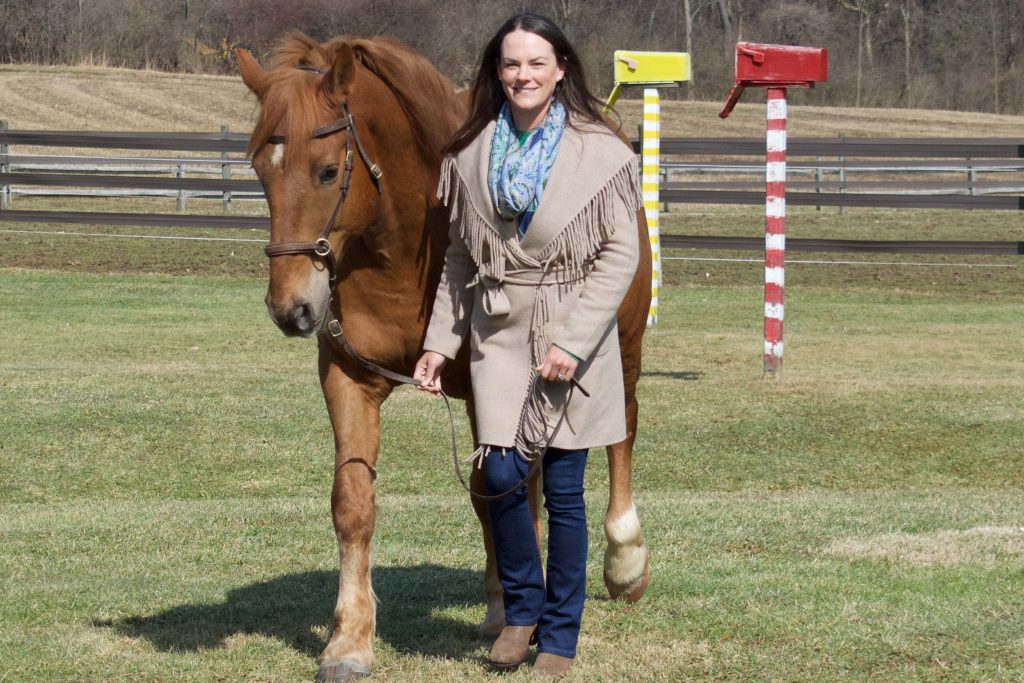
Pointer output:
x,y
321,247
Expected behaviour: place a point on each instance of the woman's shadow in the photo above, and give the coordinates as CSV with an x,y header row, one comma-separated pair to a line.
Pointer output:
x,y
289,607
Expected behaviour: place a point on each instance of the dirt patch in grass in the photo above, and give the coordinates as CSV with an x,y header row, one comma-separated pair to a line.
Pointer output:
x,y
985,545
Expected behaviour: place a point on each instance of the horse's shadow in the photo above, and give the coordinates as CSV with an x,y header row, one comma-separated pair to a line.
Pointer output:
x,y
290,607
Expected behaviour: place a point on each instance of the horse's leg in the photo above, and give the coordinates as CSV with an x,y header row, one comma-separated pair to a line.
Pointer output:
x,y
354,408
494,620
626,568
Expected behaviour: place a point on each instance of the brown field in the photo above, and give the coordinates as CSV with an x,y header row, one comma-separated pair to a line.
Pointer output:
x,y
99,98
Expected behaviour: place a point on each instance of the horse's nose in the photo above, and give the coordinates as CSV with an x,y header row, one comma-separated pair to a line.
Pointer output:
x,y
298,319
302,318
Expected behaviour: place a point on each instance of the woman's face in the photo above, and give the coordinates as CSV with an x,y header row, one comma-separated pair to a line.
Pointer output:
x,y
528,70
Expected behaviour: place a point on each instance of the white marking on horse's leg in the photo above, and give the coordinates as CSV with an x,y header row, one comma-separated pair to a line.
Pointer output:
x,y
626,556
355,614
277,156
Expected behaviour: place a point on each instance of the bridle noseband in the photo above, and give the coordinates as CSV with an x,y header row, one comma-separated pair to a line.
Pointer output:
x,y
322,246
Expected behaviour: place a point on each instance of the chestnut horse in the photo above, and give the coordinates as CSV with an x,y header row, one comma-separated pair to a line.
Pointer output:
x,y
348,147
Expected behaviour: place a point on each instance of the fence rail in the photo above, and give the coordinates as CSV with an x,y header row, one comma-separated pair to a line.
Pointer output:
x,y
965,158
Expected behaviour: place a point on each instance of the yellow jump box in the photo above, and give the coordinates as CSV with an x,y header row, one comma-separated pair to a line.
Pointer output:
x,y
632,66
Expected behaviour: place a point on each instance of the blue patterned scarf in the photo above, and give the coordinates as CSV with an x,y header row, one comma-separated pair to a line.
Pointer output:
x,y
517,174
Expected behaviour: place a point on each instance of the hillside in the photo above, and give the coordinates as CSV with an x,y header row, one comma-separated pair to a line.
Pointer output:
x,y
96,98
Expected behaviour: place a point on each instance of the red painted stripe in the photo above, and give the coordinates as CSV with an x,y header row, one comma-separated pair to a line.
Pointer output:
x,y
774,225
774,258
772,330
773,294
775,156
775,189
776,124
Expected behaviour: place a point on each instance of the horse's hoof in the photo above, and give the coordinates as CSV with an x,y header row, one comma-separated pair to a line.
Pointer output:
x,y
630,591
341,670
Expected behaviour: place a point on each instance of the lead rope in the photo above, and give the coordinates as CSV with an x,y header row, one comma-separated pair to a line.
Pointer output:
x,y
334,333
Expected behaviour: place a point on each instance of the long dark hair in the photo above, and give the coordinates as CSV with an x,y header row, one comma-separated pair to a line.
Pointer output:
x,y
487,96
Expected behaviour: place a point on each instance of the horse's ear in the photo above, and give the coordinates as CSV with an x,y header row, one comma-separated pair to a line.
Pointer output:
x,y
342,73
253,75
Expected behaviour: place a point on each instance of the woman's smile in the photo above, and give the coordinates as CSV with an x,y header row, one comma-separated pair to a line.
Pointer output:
x,y
528,70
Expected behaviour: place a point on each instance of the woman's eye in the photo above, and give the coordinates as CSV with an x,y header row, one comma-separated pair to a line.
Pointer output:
x,y
328,175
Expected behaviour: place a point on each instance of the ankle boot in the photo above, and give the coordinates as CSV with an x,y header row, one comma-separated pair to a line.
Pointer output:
x,y
550,666
509,650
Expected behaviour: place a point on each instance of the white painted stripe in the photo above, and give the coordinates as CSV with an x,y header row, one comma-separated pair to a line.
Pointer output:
x,y
775,171
775,241
777,108
773,349
775,207
277,156
776,141
773,311
652,145
775,276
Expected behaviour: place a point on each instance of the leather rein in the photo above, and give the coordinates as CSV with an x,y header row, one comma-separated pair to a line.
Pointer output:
x,y
332,332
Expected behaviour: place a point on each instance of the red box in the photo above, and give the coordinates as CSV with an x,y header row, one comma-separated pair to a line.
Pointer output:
x,y
779,66
758,64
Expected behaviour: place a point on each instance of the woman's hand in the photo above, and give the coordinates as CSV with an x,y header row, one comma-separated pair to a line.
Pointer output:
x,y
428,371
557,365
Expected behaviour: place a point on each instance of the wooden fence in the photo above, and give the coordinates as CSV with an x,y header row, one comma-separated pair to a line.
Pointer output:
x,y
936,173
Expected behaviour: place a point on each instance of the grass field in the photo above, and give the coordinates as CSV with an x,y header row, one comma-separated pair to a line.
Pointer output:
x,y
165,462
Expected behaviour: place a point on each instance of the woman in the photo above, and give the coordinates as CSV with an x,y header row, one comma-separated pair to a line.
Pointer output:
x,y
543,199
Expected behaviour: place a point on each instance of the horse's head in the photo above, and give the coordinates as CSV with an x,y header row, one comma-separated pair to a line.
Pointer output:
x,y
329,114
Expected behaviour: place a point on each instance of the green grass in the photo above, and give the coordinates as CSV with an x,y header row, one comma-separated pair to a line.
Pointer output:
x,y
165,463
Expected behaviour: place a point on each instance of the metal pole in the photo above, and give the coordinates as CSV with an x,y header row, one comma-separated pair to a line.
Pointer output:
x,y
225,169
5,191
181,193
774,230
651,160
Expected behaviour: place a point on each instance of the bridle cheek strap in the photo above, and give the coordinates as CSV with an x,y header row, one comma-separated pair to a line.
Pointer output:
x,y
322,246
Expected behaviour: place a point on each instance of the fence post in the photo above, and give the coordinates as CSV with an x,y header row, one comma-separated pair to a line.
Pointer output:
x,y
818,177
972,177
225,169
181,192
5,190
842,176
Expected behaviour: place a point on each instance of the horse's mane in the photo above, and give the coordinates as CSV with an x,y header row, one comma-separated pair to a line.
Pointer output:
x,y
425,95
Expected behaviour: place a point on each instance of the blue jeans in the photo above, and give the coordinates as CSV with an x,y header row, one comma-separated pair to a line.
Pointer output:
x,y
557,608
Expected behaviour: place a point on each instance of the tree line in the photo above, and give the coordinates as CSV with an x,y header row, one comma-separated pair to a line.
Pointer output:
x,y
938,54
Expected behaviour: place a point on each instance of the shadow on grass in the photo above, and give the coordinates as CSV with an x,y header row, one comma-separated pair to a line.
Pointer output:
x,y
289,607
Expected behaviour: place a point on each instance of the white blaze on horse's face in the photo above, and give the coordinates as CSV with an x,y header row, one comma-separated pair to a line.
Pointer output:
x,y
277,156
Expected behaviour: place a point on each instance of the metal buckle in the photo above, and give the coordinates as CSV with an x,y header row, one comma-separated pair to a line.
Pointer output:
x,y
322,247
375,170
334,327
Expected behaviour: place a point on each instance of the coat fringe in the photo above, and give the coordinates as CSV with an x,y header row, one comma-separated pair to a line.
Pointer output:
x,y
575,247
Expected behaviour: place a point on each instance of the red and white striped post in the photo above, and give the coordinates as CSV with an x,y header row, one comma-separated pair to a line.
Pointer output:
x,y
775,67
774,230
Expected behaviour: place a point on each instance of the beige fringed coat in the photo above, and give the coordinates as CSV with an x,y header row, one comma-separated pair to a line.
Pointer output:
x,y
562,284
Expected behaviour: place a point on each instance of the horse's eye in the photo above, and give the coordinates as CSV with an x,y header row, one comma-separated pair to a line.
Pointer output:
x,y
328,175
